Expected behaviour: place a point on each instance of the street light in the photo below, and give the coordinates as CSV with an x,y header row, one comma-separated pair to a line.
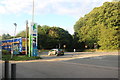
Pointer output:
x,y
13,40
15,29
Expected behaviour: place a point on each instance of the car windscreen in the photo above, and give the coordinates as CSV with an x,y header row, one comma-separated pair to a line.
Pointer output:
x,y
60,50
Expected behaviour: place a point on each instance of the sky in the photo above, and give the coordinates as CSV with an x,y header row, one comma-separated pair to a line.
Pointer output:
x,y
60,13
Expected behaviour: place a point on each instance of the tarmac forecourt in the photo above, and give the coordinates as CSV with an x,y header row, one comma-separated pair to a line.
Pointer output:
x,y
68,58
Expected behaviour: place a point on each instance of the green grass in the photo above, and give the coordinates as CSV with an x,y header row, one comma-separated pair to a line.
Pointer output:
x,y
19,58
99,50
89,50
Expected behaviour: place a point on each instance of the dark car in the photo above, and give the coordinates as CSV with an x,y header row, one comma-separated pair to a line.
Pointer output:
x,y
56,52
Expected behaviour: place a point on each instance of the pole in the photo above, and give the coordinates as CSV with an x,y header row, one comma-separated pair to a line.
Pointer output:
x,y
26,36
29,41
6,74
14,36
30,33
13,41
33,13
12,49
13,71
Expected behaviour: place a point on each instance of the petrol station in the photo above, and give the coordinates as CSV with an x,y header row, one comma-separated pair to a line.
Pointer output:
x,y
19,45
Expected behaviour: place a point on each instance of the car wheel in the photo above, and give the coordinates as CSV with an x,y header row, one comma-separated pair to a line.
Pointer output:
x,y
57,54
49,54
62,54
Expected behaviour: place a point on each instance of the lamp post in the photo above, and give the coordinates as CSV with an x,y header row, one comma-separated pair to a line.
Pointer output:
x,y
13,40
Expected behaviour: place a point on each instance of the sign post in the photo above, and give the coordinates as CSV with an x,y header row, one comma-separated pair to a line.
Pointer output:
x,y
33,40
64,47
26,37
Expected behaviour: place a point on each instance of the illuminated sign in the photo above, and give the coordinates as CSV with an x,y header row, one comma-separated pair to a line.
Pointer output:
x,y
33,40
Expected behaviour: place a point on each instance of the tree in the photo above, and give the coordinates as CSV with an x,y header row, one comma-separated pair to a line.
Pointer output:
x,y
79,46
53,37
116,0
0,37
6,36
108,39
101,19
22,33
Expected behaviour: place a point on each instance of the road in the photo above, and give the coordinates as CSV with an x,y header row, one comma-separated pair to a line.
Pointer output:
x,y
70,66
0,70
63,70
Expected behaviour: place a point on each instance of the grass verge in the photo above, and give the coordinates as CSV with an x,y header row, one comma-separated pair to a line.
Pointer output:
x,y
19,58
99,50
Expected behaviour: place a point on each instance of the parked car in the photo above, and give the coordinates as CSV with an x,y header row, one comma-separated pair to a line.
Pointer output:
x,y
56,52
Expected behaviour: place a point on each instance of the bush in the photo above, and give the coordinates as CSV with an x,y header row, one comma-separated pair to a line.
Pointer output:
x,y
5,52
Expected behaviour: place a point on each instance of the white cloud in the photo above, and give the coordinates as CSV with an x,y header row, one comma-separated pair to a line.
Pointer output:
x,y
65,7
74,8
2,31
15,6
2,10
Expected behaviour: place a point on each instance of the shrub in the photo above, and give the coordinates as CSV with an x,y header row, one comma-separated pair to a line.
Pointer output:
x,y
5,52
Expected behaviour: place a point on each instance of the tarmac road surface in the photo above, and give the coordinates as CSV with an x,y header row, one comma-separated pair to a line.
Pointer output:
x,y
64,70
105,66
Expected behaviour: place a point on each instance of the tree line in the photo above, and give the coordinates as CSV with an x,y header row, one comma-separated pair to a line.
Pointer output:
x,y
99,29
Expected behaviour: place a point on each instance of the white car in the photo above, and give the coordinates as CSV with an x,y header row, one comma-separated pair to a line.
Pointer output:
x,y
56,52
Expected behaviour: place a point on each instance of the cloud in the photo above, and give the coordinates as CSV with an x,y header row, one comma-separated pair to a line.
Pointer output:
x,y
2,10
2,31
15,6
64,7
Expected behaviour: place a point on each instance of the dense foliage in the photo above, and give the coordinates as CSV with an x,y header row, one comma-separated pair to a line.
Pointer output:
x,y
100,27
0,37
116,0
6,36
23,33
53,37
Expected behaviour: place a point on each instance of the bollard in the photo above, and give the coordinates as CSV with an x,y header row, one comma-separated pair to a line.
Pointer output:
x,y
13,71
6,73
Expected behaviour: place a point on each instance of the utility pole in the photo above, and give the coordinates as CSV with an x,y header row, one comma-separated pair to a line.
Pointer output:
x,y
26,37
33,13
